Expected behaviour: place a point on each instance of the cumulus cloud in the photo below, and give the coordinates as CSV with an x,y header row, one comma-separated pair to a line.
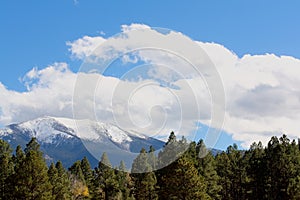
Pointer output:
x,y
49,92
262,91
178,95
84,47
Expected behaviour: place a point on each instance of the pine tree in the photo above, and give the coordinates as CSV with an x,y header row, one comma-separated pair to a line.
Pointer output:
x,y
63,184
169,153
294,182
255,158
105,184
53,176
281,169
225,173
152,159
144,178
232,171
87,171
294,188
125,181
76,170
11,181
6,167
78,184
207,168
30,178
140,163
59,181
19,157
183,182
166,157
78,188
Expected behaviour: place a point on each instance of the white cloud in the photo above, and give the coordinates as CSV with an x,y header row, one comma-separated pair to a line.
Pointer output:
x,y
84,47
169,65
262,91
49,93
131,27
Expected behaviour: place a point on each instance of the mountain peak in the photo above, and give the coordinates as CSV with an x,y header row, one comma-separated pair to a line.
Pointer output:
x,y
47,128
67,139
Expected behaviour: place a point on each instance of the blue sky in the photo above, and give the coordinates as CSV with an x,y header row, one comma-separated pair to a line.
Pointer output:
x,y
34,33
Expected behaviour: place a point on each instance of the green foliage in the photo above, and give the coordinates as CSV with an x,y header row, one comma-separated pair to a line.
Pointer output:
x,y
282,168
76,170
125,181
180,179
183,182
87,171
79,188
60,182
105,182
6,167
206,165
152,159
271,172
170,152
140,163
255,158
144,178
30,180
232,171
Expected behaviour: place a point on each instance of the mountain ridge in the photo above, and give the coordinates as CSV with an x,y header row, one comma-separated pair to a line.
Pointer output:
x,y
78,138
70,140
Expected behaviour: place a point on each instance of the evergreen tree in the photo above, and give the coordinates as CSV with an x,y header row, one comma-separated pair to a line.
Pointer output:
x,y
225,173
280,168
53,176
140,163
19,157
258,173
87,171
294,182
122,166
294,188
78,188
183,182
78,184
60,182
76,170
30,178
11,181
63,183
234,169
125,181
166,157
255,158
144,178
152,159
207,168
6,167
170,151
105,184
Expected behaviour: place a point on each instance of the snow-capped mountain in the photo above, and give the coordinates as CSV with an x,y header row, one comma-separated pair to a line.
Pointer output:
x,y
69,140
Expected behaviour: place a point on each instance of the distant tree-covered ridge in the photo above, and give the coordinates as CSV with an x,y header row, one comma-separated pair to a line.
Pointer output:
x,y
271,172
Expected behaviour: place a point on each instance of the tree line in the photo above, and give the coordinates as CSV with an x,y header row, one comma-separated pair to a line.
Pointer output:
x,y
271,172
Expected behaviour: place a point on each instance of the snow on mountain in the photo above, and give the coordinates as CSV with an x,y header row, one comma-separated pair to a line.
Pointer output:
x,y
46,129
69,140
